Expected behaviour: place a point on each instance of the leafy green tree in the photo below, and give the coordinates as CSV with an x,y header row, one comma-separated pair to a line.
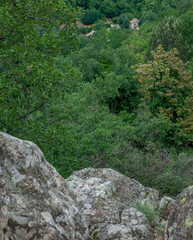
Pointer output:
x,y
123,6
168,88
104,55
87,131
108,7
148,17
187,25
152,5
183,5
95,4
90,16
32,34
169,34
137,43
81,3
124,21
116,37
99,24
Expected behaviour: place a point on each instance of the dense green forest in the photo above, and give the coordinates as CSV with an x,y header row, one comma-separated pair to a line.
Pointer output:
x,y
120,98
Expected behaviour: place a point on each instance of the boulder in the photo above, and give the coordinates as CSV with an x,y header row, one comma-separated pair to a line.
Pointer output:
x,y
165,206
107,199
35,203
180,220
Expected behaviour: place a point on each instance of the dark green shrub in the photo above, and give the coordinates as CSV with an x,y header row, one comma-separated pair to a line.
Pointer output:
x,y
90,16
100,24
116,36
108,25
115,20
109,8
170,184
124,21
148,17
84,30
83,41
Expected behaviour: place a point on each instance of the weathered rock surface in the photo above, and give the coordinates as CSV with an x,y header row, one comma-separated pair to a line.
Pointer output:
x,y
180,221
106,198
35,203
165,206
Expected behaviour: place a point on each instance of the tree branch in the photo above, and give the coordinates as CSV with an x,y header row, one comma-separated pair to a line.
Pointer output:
x,y
28,113
25,14
100,160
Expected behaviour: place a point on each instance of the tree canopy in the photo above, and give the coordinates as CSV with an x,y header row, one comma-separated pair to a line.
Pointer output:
x,y
75,94
32,34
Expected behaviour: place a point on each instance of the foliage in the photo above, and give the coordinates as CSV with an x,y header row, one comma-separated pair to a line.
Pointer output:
x,y
116,37
168,183
90,16
155,166
168,88
148,17
76,96
87,130
187,25
183,5
31,36
124,21
148,210
100,24
169,34
137,43
115,20
108,7
94,60
84,30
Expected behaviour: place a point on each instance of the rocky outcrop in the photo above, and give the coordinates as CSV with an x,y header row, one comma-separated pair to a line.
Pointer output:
x,y
180,220
107,199
35,203
165,206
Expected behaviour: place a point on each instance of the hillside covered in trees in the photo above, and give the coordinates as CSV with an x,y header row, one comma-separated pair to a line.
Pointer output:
x,y
120,98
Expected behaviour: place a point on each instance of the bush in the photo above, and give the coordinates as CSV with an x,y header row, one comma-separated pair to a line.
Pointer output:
x,y
148,210
90,16
148,17
100,24
116,37
83,41
109,9
170,184
115,20
84,30
155,166
124,21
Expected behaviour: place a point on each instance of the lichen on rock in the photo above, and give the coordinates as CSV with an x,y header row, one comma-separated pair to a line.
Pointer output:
x,y
35,202
106,198
180,220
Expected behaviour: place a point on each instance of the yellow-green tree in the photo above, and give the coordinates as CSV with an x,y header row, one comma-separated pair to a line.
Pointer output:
x,y
168,87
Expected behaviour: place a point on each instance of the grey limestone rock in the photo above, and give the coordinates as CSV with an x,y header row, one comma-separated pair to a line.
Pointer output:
x,y
106,198
165,206
35,203
180,220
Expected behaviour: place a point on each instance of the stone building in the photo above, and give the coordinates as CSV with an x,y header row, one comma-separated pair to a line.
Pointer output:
x,y
134,24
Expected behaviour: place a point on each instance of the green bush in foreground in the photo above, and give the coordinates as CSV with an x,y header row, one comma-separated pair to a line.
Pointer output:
x,y
148,210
